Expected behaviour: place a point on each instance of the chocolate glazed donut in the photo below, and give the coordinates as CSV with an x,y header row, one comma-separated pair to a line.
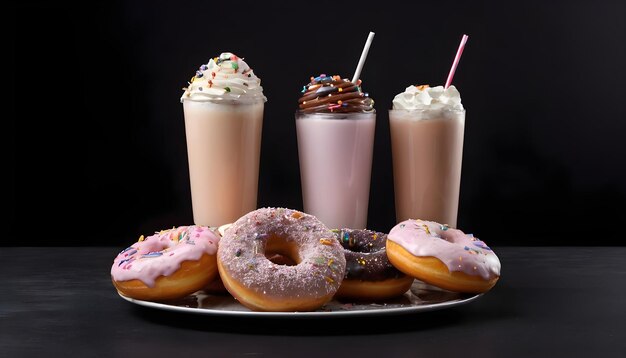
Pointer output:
x,y
369,274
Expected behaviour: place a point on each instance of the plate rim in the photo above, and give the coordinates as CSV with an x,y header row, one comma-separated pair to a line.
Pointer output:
x,y
309,314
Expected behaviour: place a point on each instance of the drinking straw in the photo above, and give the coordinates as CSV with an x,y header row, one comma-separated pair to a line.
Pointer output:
x,y
456,60
359,67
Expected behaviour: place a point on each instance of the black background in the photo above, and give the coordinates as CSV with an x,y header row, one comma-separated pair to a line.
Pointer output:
x,y
96,147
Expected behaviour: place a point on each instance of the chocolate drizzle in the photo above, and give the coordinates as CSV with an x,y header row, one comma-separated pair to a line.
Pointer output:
x,y
326,94
366,255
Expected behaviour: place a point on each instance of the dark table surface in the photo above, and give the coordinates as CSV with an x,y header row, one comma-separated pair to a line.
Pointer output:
x,y
549,302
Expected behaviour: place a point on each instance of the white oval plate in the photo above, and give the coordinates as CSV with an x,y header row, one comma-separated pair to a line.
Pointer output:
x,y
420,298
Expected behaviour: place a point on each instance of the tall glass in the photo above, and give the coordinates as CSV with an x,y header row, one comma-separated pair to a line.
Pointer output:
x,y
223,148
427,151
335,153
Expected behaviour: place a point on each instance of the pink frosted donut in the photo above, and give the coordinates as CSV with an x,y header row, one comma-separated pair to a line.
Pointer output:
x,y
167,265
442,256
262,285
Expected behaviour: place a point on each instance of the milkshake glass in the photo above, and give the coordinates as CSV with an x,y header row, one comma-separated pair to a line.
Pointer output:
x,y
335,127
427,126
223,109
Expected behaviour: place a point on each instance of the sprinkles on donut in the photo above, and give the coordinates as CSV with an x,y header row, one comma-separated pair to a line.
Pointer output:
x,y
369,274
443,256
263,285
167,265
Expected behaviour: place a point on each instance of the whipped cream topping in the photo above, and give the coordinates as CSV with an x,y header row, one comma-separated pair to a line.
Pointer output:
x,y
224,78
428,98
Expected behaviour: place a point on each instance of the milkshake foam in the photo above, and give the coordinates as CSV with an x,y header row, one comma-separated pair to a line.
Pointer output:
x,y
425,97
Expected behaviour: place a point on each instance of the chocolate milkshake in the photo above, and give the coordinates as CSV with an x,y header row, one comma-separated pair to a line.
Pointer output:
x,y
223,109
427,125
335,127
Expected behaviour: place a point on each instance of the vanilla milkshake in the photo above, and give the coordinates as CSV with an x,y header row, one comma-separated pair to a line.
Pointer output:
x,y
223,108
335,127
427,125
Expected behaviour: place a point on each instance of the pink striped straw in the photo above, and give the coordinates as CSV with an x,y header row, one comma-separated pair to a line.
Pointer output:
x,y
459,52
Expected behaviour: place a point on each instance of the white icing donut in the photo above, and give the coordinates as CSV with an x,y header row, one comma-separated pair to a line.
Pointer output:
x,y
442,256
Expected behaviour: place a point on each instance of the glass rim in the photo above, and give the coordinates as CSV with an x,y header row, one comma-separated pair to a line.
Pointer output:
x,y
334,114
220,100
421,110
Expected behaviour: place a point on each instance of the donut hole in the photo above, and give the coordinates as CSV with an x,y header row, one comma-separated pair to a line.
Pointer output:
x,y
279,259
281,252
363,248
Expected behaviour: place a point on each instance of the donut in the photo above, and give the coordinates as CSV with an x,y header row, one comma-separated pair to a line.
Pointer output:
x,y
168,265
216,287
443,256
308,276
369,274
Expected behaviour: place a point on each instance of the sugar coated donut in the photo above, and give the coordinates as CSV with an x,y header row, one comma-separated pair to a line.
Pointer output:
x,y
369,274
443,256
167,265
263,285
